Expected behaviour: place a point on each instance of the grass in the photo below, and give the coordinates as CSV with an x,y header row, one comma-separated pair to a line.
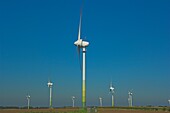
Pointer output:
x,y
142,108
76,111
96,109
60,112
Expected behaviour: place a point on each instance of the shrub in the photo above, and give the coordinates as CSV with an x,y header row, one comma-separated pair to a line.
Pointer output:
x,y
169,109
164,109
156,109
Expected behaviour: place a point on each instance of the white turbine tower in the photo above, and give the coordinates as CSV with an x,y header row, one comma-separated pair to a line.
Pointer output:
x,y
73,101
169,101
81,44
28,100
50,84
100,101
130,98
112,92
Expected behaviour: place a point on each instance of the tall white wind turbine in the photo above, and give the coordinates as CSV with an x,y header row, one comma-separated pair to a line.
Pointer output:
x,y
112,93
81,44
169,101
28,101
130,99
100,101
50,84
73,101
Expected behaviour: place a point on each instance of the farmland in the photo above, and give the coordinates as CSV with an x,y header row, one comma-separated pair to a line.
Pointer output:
x,y
92,110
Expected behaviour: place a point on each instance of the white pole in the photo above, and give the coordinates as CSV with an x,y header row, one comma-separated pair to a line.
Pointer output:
x,y
73,102
112,100
84,79
100,102
131,100
50,96
28,103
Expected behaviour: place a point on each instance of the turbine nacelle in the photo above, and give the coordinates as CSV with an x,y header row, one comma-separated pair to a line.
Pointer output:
x,y
80,43
28,96
130,93
73,97
50,84
111,89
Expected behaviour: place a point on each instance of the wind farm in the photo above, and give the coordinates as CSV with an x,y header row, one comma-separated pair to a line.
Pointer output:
x,y
80,45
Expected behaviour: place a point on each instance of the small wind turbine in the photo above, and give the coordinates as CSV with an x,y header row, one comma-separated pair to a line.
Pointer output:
x,y
100,101
130,99
112,92
50,84
169,101
81,44
28,99
73,97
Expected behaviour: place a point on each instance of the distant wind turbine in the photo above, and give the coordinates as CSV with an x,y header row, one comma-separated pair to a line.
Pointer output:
x,y
28,100
112,92
169,101
130,98
100,101
81,44
50,84
73,101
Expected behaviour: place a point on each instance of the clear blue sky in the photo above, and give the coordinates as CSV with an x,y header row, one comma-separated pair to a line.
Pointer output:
x,y
129,43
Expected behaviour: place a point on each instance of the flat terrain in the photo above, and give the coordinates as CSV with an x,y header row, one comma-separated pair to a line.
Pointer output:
x,y
128,111
21,110
105,110
35,110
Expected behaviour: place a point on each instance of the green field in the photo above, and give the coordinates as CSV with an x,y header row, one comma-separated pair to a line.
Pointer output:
x,y
92,110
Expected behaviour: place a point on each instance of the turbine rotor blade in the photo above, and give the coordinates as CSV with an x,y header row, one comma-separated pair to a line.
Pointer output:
x,y
78,52
79,32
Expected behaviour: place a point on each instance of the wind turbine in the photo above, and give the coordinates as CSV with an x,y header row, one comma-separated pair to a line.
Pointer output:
x,y
81,44
130,99
100,101
50,84
169,101
73,97
112,92
28,99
